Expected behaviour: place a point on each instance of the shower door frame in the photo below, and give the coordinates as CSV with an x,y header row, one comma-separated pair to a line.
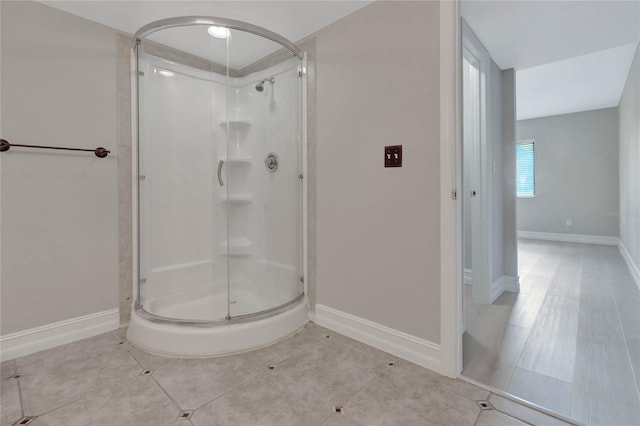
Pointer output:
x,y
135,210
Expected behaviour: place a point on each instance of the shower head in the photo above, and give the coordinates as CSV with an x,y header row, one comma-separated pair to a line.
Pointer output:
x,y
260,86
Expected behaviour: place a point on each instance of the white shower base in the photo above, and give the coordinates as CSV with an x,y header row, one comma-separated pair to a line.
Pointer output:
x,y
207,341
204,304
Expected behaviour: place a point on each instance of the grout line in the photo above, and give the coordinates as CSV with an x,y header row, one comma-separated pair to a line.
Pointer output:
x,y
19,393
325,420
167,393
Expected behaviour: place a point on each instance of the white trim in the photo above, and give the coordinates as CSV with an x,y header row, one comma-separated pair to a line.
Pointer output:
x,y
502,284
406,346
481,227
511,284
48,336
569,238
497,288
633,268
468,276
451,310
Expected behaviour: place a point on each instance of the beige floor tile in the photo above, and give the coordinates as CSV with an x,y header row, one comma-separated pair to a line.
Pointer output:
x,y
120,334
402,398
194,382
496,418
521,412
145,359
307,337
139,401
10,410
270,399
7,369
78,351
340,420
59,381
333,370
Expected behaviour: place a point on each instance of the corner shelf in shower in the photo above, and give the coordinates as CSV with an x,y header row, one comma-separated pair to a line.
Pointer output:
x,y
237,247
239,125
236,199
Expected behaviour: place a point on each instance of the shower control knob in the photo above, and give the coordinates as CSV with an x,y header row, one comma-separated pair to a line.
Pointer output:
x,y
271,162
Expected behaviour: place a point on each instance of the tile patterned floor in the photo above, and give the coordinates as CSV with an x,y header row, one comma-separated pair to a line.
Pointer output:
x,y
569,341
102,381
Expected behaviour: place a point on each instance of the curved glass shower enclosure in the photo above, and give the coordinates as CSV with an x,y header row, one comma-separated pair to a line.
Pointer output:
x,y
219,171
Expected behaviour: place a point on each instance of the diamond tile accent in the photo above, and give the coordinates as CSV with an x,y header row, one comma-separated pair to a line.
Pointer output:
x,y
27,420
185,415
484,405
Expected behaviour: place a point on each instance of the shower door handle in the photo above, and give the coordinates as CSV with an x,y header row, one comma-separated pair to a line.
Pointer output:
x,y
220,164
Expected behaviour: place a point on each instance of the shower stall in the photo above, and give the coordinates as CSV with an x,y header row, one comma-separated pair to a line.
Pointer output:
x,y
218,171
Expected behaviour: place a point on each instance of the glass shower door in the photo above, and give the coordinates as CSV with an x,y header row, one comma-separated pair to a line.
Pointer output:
x,y
182,223
264,177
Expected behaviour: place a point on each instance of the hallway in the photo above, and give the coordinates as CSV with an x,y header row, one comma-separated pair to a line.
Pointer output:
x,y
569,341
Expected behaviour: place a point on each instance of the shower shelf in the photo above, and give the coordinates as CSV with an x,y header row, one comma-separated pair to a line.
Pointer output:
x,y
236,199
236,124
237,247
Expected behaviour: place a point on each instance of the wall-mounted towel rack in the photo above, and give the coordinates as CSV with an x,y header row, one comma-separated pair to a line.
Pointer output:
x,y
100,152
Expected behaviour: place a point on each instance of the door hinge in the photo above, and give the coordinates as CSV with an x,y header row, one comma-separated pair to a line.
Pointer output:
x,y
454,194
141,73
301,176
302,279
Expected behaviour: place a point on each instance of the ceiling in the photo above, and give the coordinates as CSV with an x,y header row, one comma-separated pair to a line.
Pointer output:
x,y
583,83
293,20
569,56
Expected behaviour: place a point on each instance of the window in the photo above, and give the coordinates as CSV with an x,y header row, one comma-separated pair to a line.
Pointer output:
x,y
525,169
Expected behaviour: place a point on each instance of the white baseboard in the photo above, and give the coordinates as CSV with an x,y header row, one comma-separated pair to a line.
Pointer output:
x,y
569,238
511,284
468,276
48,336
403,345
497,288
502,284
635,270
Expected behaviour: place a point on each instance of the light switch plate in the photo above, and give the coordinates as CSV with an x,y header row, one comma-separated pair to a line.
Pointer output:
x,y
393,156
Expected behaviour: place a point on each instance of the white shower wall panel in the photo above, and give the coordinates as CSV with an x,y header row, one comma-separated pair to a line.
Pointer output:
x,y
277,204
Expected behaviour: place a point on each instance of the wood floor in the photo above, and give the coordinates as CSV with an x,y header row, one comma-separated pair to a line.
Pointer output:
x,y
569,341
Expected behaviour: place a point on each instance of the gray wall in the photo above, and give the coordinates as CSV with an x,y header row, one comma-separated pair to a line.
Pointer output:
x,y
576,173
629,125
379,229
509,233
59,210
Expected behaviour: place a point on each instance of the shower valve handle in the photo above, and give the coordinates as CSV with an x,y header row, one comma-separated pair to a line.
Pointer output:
x,y
220,164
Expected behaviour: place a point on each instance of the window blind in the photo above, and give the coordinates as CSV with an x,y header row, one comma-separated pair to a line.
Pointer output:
x,y
525,169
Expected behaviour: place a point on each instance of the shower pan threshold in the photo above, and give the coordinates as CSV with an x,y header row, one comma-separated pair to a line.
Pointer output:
x,y
201,341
